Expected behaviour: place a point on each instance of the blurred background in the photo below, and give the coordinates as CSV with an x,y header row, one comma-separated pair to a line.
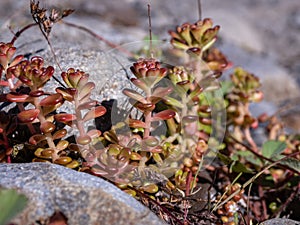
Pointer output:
x,y
261,36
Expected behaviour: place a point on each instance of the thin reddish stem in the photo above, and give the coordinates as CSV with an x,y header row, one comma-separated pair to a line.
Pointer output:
x,y
262,157
17,35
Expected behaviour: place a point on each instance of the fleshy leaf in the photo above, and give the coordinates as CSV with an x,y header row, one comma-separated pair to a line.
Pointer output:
x,y
86,90
189,119
162,91
3,60
164,115
151,141
28,116
136,123
74,78
67,93
150,188
135,95
83,81
139,83
47,127
83,140
173,102
14,97
94,133
16,60
59,134
37,138
87,105
64,117
178,44
144,107
62,144
51,100
94,113
64,160
37,93
49,109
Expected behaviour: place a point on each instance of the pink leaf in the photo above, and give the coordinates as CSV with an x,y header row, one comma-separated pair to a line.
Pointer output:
x,y
139,83
94,113
86,90
162,91
87,105
94,133
135,95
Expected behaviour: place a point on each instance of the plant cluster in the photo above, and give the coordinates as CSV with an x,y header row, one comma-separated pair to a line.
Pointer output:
x,y
165,169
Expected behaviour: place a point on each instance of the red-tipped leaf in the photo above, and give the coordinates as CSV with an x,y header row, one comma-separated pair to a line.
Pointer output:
x,y
47,127
94,113
51,100
37,138
64,117
136,123
162,91
135,95
86,90
139,83
164,115
28,116
14,97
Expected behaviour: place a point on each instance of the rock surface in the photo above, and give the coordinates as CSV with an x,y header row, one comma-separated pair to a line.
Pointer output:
x,y
82,198
280,222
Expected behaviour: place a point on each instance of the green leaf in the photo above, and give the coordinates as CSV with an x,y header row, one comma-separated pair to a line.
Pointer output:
x,y
225,159
173,102
292,162
238,167
273,148
226,86
249,157
11,204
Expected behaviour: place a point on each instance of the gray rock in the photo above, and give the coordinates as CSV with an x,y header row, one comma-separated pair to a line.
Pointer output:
x,y
280,222
82,198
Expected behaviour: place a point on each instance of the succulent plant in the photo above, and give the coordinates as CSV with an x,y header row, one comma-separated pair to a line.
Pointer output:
x,y
158,153
7,59
229,212
197,37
